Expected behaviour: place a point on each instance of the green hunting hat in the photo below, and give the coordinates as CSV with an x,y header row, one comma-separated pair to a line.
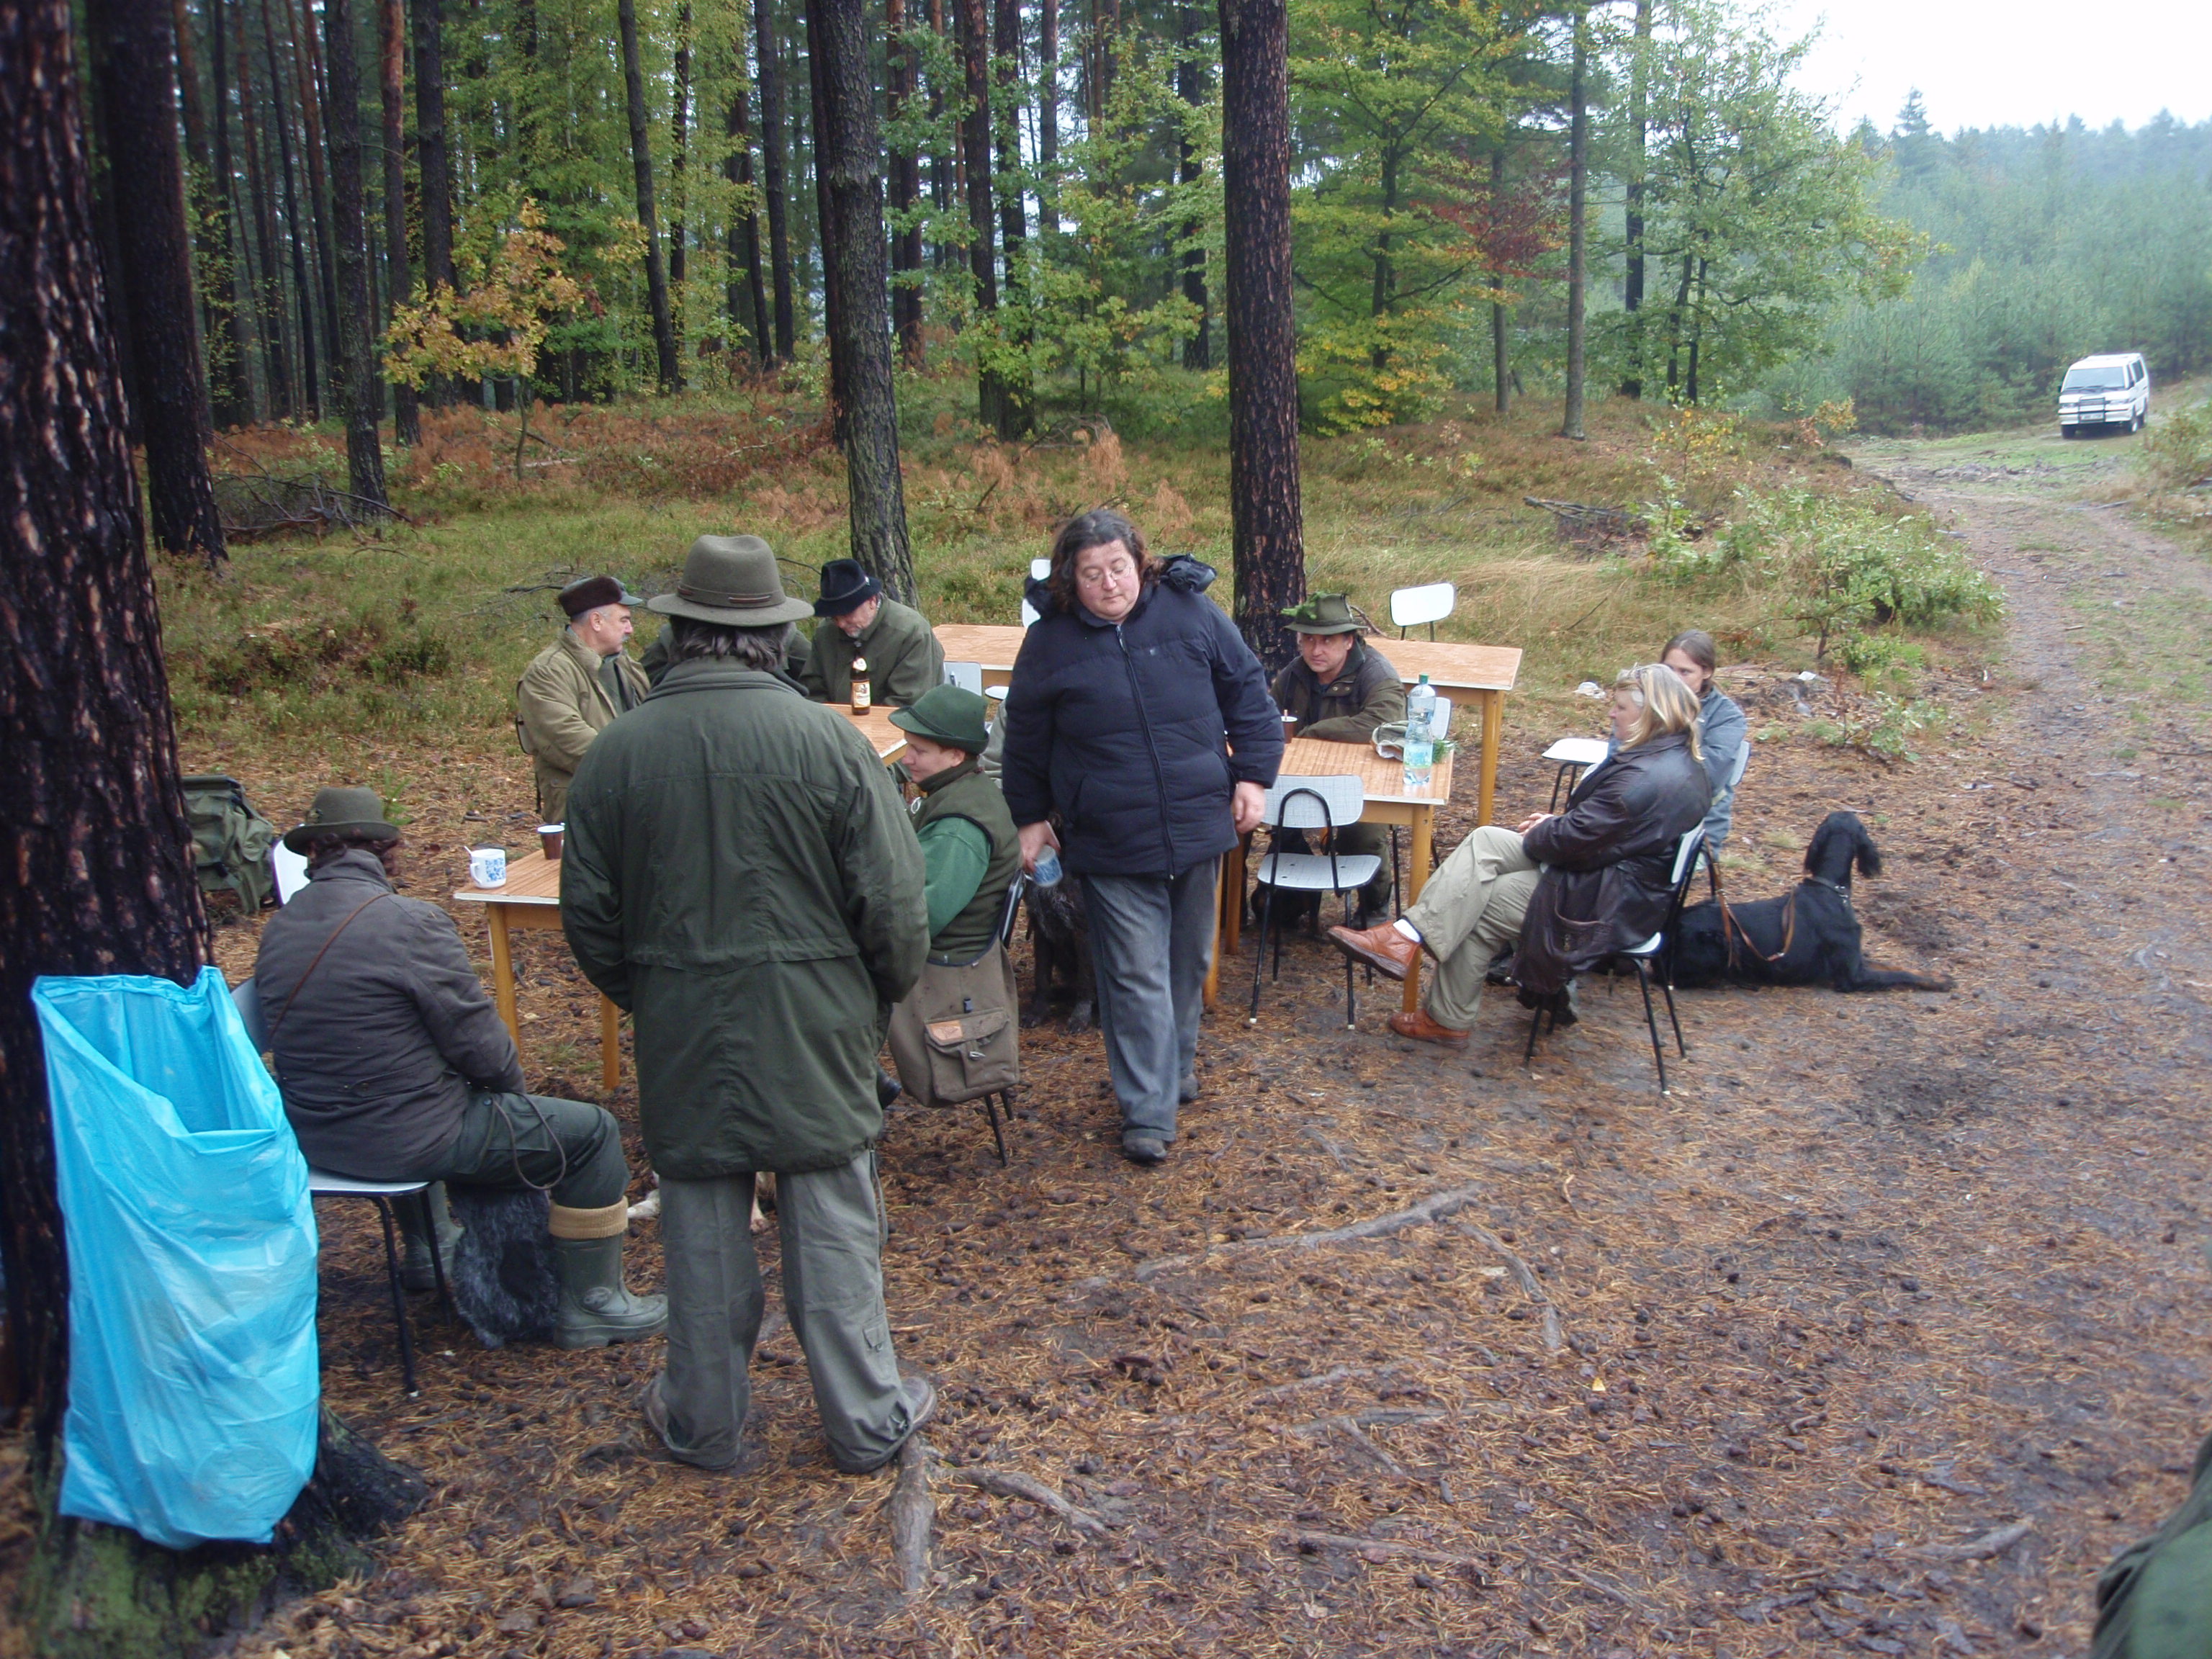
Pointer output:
x,y
1323,613
947,714
732,580
342,810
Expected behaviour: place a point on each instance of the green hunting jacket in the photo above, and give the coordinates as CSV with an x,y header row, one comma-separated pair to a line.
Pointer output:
x,y
1366,693
904,659
739,876
561,704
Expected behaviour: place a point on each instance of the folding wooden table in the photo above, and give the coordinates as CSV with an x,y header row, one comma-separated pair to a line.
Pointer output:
x,y
994,647
1486,672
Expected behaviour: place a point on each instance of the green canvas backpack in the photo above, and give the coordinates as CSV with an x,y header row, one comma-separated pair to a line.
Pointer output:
x,y
230,840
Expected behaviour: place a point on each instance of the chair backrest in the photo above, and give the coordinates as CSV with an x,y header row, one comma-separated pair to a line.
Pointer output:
x,y
1412,606
291,870
1301,803
246,997
1041,570
1028,613
968,676
1686,858
1440,723
1742,761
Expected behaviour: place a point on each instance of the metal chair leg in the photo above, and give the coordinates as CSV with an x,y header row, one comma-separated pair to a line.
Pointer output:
x,y
1651,1024
1674,1019
398,1293
438,1253
1351,993
991,1106
1535,1020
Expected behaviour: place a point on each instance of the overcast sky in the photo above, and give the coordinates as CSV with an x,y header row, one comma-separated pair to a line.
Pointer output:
x,y
1980,64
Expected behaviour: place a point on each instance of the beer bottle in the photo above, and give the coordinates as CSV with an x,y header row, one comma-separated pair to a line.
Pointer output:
x,y
860,696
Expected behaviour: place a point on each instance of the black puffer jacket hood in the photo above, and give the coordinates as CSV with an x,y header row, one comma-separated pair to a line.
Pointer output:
x,y
1178,571
1126,730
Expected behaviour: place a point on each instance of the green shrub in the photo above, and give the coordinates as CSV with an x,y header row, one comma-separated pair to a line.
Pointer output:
x,y
1842,567
2177,452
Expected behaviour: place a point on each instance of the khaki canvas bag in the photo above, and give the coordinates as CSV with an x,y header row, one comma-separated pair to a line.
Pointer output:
x,y
955,1038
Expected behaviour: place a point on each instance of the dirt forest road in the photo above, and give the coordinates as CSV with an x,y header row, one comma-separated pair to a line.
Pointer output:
x,y
1881,1334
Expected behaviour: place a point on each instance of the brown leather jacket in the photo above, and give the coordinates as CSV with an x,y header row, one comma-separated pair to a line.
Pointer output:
x,y
1609,861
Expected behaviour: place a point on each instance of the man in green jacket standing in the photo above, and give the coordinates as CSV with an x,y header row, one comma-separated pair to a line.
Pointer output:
x,y
903,657
737,876
1339,690
576,687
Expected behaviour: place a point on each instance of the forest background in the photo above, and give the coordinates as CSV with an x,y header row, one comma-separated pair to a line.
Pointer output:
x,y
1054,211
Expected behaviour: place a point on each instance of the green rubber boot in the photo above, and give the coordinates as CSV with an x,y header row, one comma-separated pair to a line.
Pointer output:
x,y
416,1272
595,1307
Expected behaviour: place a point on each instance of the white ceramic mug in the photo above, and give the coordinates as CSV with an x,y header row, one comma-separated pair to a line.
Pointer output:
x,y
487,865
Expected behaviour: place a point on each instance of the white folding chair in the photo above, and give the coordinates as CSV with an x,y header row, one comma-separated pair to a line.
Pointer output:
x,y
1412,606
1643,955
246,997
968,676
1040,570
1576,755
1300,803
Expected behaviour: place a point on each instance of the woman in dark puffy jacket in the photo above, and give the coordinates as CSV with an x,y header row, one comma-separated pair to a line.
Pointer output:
x,y
1139,716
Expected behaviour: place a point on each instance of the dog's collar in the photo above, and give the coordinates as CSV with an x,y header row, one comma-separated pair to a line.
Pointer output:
x,y
1842,889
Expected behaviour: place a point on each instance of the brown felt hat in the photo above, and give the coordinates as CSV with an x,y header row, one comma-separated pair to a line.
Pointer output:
x,y
342,810
732,580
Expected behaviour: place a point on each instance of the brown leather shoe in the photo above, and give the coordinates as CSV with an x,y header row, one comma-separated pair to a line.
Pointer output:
x,y
1384,948
1418,1026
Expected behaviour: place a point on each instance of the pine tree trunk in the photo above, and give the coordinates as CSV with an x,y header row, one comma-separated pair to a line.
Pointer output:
x,y
671,372
849,155
241,321
1190,87
434,166
391,91
133,51
207,195
360,393
1019,403
944,183
745,240
765,48
268,281
976,148
308,69
1632,292
679,157
825,227
902,81
100,853
301,313
1501,348
1048,117
1268,535
1577,226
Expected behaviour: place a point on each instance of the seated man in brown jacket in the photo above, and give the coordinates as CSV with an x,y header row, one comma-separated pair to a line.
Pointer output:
x,y
395,1066
1339,690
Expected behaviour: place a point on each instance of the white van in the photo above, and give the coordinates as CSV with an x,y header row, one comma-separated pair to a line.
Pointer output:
x,y
2105,391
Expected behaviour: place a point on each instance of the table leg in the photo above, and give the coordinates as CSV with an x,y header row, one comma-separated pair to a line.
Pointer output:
x,y
1417,877
502,972
609,1045
1494,733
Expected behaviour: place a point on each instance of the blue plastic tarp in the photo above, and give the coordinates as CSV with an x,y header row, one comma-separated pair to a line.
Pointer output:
x,y
194,1379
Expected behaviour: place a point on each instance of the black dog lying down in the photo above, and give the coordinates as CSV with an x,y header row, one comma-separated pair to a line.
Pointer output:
x,y
1804,939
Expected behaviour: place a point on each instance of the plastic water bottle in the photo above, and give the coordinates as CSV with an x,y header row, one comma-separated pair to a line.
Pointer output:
x,y
1048,871
1420,738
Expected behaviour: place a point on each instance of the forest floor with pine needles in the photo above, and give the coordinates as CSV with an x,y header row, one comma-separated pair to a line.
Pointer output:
x,y
1881,1333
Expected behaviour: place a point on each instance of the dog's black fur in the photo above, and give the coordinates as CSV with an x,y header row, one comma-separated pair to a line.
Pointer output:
x,y
1816,920
502,1275
1059,934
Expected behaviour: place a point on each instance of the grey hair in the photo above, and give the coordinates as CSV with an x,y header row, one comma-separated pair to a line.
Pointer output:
x,y
689,638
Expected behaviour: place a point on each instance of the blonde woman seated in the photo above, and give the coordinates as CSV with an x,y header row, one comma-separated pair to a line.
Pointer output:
x,y
1571,888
